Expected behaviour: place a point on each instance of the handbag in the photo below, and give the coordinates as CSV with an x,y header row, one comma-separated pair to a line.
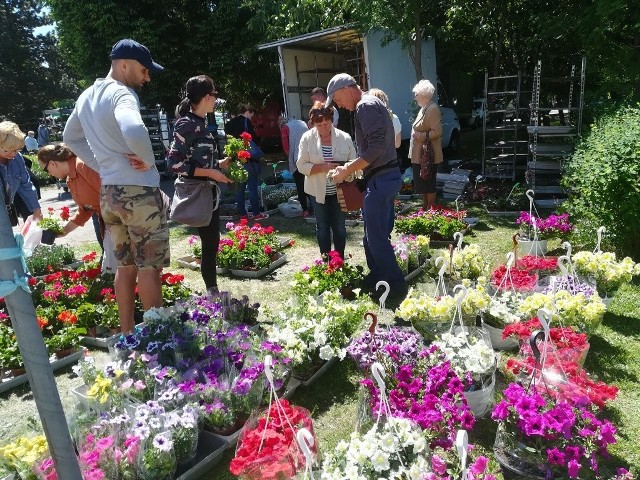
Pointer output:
x,y
192,202
426,159
254,150
350,197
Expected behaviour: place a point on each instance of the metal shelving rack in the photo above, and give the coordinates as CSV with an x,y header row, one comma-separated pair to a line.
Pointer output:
x,y
504,146
552,142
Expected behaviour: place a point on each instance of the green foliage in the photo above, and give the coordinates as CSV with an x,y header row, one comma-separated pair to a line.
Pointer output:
x,y
33,74
186,37
46,259
434,226
603,178
9,352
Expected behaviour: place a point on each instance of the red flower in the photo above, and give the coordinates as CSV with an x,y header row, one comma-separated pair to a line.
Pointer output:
x,y
531,262
90,257
244,155
517,279
42,322
268,250
32,281
64,214
246,136
67,317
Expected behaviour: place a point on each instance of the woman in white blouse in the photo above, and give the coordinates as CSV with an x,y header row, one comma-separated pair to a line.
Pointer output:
x,y
321,149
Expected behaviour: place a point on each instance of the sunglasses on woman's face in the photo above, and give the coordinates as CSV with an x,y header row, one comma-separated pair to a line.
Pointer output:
x,y
320,114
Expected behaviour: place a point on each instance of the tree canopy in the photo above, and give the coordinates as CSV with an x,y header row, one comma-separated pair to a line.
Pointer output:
x,y
32,72
187,37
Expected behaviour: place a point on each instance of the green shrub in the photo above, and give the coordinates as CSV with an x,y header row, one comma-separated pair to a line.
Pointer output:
x,y
603,178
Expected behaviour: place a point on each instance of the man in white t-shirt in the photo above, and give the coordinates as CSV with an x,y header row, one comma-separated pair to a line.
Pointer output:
x,y
106,130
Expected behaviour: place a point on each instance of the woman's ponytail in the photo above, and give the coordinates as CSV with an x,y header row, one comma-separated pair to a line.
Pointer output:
x,y
184,106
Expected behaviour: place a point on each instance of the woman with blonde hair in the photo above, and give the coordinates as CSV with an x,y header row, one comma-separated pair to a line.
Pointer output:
x,y
323,148
20,195
427,128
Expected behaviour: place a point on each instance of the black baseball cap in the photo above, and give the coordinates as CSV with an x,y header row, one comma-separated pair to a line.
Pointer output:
x,y
128,49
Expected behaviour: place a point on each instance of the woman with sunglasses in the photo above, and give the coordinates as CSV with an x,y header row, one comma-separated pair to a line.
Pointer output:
x,y
84,185
19,193
194,154
322,149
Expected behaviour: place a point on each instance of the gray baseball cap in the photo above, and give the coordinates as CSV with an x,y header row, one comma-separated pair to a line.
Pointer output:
x,y
338,81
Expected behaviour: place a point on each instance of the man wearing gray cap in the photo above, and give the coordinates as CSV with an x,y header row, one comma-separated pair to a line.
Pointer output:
x,y
375,142
107,132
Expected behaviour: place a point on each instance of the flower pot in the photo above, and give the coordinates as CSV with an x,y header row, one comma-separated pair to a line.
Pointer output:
x,y
496,339
518,461
114,331
64,353
531,247
481,400
92,332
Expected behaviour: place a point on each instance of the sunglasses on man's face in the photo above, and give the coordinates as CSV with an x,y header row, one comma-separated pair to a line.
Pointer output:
x,y
320,114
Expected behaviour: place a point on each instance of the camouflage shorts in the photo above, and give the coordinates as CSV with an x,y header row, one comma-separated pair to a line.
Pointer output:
x,y
137,220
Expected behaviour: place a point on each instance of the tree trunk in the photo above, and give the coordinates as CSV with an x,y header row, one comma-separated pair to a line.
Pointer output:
x,y
35,355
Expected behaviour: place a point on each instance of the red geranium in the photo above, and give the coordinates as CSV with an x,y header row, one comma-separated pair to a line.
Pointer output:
x,y
517,279
244,155
531,262
64,214
246,137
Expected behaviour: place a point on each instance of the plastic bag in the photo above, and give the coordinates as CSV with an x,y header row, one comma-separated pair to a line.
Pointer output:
x,y
278,443
32,235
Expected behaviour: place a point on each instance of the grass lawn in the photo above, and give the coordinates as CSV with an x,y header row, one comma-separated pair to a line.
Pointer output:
x,y
333,400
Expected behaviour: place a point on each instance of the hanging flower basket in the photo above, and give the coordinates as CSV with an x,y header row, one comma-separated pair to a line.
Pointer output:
x,y
532,247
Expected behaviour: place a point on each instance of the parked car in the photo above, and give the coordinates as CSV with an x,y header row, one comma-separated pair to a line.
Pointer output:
x,y
450,123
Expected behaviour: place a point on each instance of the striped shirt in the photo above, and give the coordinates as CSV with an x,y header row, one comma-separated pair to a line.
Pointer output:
x,y
327,154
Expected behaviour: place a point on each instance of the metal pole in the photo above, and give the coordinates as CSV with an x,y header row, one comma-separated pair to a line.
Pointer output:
x,y
36,359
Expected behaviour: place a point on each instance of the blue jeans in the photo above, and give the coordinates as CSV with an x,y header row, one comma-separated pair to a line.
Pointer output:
x,y
330,222
253,169
377,212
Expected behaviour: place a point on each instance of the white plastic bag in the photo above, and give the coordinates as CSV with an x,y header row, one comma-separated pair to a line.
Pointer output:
x,y
32,235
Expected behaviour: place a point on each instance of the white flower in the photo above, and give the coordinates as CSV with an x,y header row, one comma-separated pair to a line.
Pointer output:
x,y
163,442
326,352
380,461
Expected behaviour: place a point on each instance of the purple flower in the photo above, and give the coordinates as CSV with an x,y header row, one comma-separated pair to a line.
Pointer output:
x,y
555,456
439,466
573,467
480,466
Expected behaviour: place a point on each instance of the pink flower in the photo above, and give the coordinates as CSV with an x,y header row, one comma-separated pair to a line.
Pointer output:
x,y
439,466
573,467
104,443
480,466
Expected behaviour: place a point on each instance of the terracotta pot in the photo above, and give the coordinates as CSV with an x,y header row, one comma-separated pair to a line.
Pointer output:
x,y
64,353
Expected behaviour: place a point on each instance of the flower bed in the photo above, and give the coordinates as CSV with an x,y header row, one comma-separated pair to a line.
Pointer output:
x,y
248,248
439,224
328,273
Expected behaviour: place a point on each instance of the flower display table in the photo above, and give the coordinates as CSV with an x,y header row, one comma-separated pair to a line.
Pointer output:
x,y
211,447
318,373
262,272
193,263
9,382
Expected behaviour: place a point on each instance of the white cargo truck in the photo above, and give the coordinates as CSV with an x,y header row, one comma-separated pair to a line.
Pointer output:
x,y
310,60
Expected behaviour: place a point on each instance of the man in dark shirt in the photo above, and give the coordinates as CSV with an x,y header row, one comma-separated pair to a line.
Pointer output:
x,y
375,142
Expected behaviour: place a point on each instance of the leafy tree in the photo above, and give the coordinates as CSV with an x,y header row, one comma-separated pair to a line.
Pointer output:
x,y
33,74
187,37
